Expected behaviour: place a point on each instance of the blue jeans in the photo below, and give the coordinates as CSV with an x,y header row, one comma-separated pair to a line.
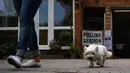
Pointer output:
x,y
26,10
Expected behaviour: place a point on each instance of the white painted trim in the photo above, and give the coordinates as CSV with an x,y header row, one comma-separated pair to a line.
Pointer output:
x,y
9,28
65,47
63,28
56,28
50,20
104,21
36,20
43,28
74,22
44,47
121,10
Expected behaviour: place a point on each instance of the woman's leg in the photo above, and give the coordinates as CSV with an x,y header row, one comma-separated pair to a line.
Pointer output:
x,y
27,36
16,60
17,6
27,14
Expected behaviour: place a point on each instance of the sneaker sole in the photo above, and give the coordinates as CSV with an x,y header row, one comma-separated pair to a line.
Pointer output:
x,y
31,66
13,62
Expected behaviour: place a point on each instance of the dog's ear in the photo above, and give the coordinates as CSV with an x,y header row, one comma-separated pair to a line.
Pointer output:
x,y
96,49
85,48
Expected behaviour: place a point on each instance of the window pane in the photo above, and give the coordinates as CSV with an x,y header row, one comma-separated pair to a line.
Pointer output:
x,y
65,36
43,37
95,23
10,8
92,20
9,19
8,36
63,15
43,13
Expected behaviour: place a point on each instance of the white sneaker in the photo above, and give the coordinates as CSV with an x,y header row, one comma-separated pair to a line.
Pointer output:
x,y
14,60
31,63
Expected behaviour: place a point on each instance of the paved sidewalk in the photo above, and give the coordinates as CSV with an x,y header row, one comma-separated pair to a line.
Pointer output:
x,y
70,66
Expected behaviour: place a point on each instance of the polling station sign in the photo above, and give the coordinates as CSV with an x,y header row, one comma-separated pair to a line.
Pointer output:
x,y
91,37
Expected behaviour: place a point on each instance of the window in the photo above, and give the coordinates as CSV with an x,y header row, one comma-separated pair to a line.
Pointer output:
x,y
43,14
43,24
8,24
55,17
52,18
7,36
10,18
96,23
63,12
43,36
65,37
63,18
92,20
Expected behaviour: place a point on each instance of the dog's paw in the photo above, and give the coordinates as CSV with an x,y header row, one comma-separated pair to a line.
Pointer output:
x,y
97,63
90,66
101,66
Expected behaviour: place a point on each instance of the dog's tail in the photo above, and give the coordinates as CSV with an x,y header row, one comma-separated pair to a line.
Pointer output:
x,y
109,54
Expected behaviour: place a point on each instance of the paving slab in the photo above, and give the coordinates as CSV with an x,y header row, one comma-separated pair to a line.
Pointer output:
x,y
70,66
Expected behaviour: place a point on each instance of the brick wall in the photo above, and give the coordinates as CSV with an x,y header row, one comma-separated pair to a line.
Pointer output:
x,y
78,26
108,18
106,3
92,3
78,30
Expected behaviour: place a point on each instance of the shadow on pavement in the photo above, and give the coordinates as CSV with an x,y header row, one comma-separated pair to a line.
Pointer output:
x,y
96,67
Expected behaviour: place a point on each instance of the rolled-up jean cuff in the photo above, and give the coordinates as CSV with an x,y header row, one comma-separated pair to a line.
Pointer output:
x,y
35,53
20,52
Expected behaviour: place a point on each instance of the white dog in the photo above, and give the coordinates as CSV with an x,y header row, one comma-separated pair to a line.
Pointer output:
x,y
96,53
